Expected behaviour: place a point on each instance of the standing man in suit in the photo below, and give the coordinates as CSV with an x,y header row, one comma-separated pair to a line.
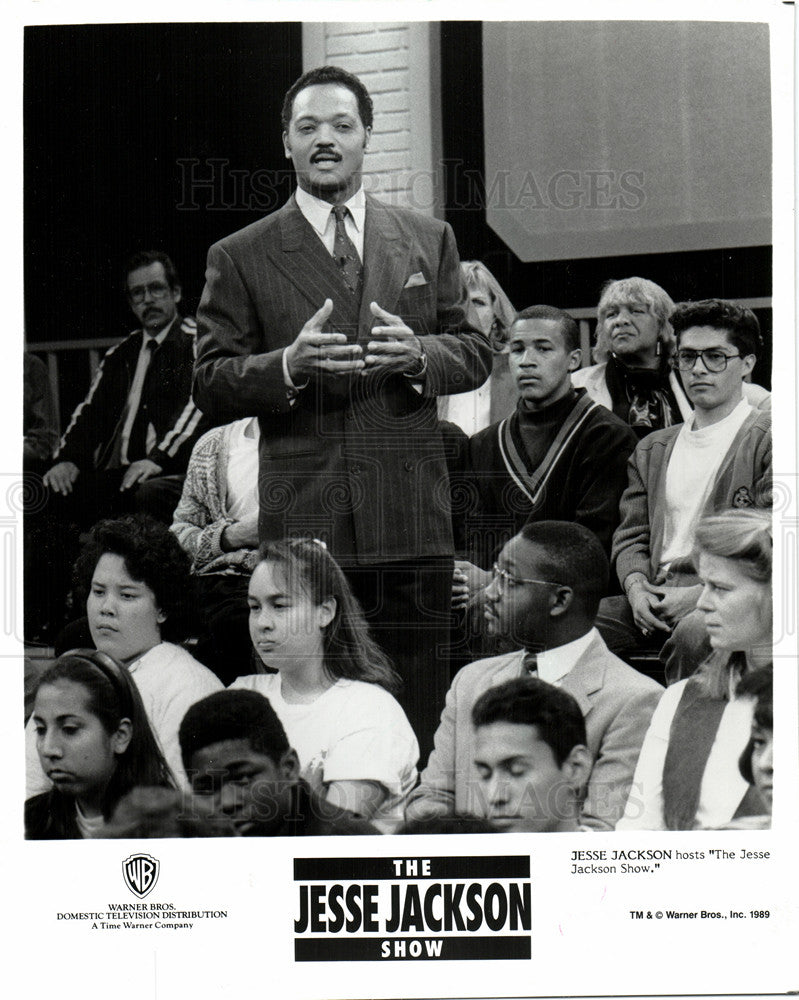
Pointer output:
x,y
544,596
338,321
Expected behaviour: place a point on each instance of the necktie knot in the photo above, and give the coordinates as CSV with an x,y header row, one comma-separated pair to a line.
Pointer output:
x,y
530,664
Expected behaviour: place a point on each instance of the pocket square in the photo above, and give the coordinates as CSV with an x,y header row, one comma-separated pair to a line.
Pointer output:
x,y
414,280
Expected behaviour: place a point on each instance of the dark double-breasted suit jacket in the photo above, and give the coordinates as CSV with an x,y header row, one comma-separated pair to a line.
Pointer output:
x,y
358,460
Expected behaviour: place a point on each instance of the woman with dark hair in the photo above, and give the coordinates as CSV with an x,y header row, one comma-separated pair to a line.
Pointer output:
x,y
756,763
687,775
136,580
331,686
94,743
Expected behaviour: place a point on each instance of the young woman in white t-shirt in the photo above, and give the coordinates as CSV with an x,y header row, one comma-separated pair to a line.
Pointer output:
x,y
333,686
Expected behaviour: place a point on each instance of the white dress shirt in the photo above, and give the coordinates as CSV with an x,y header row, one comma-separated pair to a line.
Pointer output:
x,y
554,664
134,396
320,215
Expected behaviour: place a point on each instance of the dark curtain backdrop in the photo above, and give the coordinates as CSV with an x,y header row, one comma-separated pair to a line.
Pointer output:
x,y
123,124
734,272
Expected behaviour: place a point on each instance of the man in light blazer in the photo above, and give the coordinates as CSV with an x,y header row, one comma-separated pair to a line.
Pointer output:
x,y
544,595
338,320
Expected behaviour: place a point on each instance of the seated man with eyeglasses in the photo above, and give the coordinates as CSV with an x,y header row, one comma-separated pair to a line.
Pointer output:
x,y
543,597
128,442
718,459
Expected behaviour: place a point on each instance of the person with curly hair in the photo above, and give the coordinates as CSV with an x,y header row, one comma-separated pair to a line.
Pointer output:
x,y
94,743
136,580
333,689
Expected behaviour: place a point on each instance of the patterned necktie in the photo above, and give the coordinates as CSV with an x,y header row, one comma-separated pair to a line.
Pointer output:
x,y
345,253
530,664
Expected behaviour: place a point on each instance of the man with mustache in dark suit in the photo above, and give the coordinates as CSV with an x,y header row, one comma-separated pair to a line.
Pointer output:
x,y
338,320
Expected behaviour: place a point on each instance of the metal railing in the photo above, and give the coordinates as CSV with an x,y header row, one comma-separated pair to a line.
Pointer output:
x,y
50,349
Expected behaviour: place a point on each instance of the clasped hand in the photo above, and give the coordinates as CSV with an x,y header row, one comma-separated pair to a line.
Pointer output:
x,y
393,347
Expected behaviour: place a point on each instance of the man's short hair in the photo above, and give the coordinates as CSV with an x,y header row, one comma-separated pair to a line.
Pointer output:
x,y
568,325
329,74
740,323
233,715
529,701
572,555
146,257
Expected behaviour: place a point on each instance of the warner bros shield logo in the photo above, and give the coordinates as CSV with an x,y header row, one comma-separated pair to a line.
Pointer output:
x,y
141,873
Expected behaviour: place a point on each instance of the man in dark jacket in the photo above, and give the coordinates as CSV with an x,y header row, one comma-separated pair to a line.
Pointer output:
x,y
559,457
137,423
128,442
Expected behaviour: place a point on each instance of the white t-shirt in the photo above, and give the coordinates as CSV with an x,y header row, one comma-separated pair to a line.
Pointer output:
x,y
169,680
353,732
242,469
722,786
694,462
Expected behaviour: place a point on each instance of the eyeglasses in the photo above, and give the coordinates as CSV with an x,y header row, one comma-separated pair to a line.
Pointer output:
x,y
505,581
157,290
714,361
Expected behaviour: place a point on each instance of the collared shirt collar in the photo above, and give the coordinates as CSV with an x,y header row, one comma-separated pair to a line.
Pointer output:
x,y
159,338
317,212
554,664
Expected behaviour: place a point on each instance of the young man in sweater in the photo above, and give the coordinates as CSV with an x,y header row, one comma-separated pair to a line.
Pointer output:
x,y
559,456
718,459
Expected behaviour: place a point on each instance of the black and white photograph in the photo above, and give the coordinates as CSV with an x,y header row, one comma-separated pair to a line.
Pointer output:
x,y
409,455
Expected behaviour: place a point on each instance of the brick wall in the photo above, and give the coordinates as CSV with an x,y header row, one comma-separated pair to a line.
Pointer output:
x,y
393,60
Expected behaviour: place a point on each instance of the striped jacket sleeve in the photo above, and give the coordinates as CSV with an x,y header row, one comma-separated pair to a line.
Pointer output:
x,y
181,426
92,419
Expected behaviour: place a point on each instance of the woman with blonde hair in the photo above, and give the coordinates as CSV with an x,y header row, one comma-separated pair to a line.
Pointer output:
x,y
634,342
687,775
493,313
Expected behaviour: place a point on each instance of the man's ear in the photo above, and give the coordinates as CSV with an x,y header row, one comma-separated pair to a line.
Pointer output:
x,y
747,364
286,146
367,135
561,601
177,293
289,765
120,741
575,359
577,767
